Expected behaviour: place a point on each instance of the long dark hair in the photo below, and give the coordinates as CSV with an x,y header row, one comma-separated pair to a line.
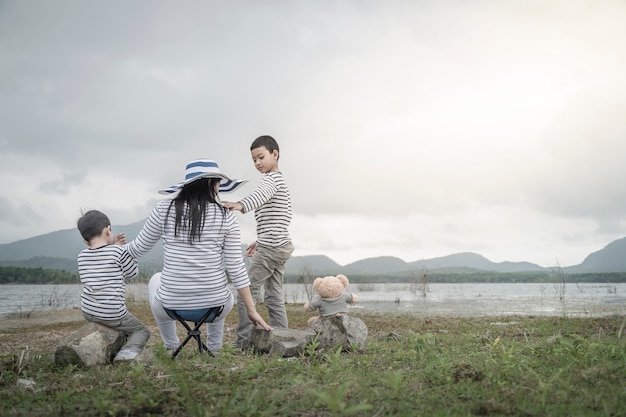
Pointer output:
x,y
191,207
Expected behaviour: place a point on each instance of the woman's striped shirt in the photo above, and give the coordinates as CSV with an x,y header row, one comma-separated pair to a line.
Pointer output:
x,y
272,210
103,272
194,275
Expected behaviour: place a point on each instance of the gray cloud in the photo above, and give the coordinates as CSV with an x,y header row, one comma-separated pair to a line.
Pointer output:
x,y
17,215
433,124
61,185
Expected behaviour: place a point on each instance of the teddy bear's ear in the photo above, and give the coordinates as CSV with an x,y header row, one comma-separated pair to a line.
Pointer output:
x,y
343,279
316,283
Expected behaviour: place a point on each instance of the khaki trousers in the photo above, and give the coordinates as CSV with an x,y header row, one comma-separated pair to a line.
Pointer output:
x,y
267,271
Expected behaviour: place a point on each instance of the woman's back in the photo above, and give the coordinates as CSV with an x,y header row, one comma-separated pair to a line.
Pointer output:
x,y
193,272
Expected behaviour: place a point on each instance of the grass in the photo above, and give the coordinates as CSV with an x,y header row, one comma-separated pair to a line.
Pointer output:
x,y
411,366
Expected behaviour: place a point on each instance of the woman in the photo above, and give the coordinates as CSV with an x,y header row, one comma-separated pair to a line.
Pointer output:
x,y
201,242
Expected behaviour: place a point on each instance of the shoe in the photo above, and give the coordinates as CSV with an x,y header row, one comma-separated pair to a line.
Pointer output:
x,y
125,355
170,352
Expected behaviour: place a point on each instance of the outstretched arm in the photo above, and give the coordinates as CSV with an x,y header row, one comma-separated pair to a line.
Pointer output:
x,y
233,206
120,239
266,189
253,315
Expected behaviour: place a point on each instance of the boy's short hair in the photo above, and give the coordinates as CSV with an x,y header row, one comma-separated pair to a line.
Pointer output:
x,y
267,141
92,223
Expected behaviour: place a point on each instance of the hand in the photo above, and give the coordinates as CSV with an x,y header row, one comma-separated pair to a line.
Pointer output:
x,y
120,239
232,206
256,319
251,249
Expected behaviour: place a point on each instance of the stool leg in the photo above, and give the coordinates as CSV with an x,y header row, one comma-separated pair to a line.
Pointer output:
x,y
196,331
197,334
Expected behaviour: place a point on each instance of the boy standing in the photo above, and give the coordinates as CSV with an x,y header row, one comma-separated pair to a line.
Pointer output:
x,y
103,268
272,211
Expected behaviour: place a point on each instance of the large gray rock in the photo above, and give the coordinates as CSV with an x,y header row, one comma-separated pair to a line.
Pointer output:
x,y
345,331
280,341
92,344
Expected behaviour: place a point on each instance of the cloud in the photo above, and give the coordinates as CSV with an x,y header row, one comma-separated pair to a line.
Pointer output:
x,y
405,128
17,216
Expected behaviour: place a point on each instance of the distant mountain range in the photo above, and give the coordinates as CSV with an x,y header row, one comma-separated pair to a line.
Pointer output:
x,y
58,250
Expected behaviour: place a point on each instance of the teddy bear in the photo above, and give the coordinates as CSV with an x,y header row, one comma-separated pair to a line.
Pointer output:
x,y
330,297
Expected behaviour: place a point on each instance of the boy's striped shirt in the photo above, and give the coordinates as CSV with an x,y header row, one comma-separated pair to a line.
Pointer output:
x,y
271,203
103,272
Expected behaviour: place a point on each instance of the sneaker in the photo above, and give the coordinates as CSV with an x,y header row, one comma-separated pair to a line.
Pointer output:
x,y
125,355
170,352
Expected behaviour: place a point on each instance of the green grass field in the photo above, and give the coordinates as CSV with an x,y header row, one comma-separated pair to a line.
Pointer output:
x,y
411,366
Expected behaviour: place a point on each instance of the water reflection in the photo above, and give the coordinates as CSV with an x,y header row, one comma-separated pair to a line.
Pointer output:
x,y
479,299
461,300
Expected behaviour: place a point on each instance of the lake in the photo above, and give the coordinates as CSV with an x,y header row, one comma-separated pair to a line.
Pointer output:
x,y
459,300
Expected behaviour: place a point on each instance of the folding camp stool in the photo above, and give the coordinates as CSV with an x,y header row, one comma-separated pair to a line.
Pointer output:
x,y
208,317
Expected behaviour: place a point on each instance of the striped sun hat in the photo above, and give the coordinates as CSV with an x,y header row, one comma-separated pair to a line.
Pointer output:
x,y
204,168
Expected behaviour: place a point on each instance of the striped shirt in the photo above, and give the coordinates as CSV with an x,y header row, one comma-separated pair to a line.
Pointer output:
x,y
194,275
272,210
103,272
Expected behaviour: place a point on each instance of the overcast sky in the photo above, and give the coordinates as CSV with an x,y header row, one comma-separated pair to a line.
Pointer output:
x,y
407,128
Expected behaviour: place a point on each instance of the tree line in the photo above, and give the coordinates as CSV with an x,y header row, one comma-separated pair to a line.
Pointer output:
x,y
18,275
475,277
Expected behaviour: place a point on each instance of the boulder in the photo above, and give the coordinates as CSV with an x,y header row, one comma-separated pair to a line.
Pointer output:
x,y
280,341
27,384
345,331
92,344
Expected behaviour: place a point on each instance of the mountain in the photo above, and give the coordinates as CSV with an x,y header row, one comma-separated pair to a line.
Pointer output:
x,y
59,244
474,261
611,258
460,262
58,250
312,265
65,244
378,265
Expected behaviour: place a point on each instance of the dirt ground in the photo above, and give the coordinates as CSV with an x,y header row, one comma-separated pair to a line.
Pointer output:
x,y
41,318
42,331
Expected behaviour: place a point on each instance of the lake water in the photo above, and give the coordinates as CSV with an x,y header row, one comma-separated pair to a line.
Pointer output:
x,y
460,300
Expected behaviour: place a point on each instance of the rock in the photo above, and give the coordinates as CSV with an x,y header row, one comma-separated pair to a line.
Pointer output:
x,y
280,341
27,384
345,331
92,344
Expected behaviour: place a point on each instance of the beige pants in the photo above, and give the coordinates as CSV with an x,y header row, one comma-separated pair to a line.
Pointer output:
x,y
267,271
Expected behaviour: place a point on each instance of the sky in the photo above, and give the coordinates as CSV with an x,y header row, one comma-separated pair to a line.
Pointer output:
x,y
407,128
